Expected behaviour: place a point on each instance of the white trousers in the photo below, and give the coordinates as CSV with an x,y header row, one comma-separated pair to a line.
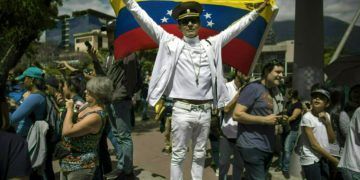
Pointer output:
x,y
189,124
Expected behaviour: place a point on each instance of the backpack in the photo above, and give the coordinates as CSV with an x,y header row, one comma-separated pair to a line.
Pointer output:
x,y
53,119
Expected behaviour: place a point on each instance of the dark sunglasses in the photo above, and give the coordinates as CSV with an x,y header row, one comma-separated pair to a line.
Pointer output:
x,y
193,20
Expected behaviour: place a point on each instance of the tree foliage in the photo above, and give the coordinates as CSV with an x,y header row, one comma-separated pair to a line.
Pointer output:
x,y
21,23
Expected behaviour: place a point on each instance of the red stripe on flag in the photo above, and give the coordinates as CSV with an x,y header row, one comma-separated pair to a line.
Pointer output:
x,y
237,53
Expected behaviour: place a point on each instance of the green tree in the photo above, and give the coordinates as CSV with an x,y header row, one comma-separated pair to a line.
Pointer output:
x,y
21,23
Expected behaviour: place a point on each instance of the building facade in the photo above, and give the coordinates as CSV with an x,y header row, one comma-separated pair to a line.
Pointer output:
x,y
62,35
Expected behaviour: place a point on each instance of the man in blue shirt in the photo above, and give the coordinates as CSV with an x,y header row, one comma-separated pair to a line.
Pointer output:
x,y
255,113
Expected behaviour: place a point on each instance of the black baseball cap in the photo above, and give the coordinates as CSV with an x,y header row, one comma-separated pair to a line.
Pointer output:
x,y
323,92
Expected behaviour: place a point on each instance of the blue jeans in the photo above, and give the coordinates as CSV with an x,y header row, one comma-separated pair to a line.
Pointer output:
x,y
214,144
317,171
348,174
256,163
120,118
228,148
289,144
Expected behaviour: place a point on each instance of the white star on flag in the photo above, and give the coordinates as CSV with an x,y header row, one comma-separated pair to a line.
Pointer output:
x,y
208,16
164,20
210,23
169,12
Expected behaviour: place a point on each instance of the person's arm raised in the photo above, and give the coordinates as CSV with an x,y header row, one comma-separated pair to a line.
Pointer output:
x,y
145,21
238,26
91,124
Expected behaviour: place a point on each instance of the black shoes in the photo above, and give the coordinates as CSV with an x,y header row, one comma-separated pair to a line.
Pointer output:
x,y
113,174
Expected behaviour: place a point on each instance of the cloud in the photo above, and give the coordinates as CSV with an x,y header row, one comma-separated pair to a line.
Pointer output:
x,y
341,9
344,10
286,10
77,5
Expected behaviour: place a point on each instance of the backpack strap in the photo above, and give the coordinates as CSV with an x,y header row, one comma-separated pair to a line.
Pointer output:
x,y
33,119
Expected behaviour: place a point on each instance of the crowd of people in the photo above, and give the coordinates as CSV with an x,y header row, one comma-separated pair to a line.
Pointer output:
x,y
70,118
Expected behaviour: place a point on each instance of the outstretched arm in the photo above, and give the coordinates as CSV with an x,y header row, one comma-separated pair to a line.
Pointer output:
x,y
95,61
238,26
145,21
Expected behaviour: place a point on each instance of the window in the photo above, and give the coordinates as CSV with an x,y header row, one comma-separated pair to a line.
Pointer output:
x,y
82,40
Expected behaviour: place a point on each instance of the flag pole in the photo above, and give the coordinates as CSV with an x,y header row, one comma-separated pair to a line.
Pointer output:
x,y
345,37
275,10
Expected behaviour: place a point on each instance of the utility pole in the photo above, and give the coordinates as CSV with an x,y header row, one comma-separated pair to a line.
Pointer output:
x,y
309,46
308,58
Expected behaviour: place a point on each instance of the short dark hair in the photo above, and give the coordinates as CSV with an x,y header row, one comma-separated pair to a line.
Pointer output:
x,y
294,94
77,83
39,83
353,88
269,66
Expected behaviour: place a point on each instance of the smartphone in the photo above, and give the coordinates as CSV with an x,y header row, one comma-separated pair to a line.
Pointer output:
x,y
87,44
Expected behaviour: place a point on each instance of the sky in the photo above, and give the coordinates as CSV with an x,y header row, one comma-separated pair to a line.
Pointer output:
x,y
341,9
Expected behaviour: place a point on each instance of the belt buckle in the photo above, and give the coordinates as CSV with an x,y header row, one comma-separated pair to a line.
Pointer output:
x,y
197,107
202,107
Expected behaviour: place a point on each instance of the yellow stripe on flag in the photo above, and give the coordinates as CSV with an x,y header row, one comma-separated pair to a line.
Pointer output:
x,y
240,4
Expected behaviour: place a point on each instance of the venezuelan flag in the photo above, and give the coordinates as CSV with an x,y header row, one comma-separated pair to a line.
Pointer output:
x,y
217,15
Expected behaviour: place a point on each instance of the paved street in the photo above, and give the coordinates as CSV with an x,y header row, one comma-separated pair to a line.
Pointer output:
x,y
152,164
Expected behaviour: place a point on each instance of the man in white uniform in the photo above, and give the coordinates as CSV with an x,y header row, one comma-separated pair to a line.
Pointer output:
x,y
189,70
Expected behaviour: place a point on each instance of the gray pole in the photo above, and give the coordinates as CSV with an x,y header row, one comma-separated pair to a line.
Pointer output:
x,y
308,56
309,46
345,37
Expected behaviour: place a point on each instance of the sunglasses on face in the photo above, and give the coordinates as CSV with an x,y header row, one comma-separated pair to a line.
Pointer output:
x,y
193,20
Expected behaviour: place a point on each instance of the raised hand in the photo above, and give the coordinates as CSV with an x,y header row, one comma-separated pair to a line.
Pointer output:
x,y
263,5
324,118
69,104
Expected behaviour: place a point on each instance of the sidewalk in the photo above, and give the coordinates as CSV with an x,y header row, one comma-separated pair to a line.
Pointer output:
x,y
152,164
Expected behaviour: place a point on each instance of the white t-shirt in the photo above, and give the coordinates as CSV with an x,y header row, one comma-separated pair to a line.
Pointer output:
x,y
350,158
307,155
230,127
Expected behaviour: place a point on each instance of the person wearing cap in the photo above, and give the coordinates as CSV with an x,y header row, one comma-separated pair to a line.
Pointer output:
x,y
189,70
34,103
316,134
32,109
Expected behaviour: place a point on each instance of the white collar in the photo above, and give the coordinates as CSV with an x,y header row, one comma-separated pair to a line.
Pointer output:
x,y
192,41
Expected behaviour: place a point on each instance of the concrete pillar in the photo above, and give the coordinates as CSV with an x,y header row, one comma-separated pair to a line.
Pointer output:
x,y
309,46
308,60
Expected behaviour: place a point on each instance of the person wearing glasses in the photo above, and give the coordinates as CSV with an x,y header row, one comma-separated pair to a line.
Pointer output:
x,y
189,70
